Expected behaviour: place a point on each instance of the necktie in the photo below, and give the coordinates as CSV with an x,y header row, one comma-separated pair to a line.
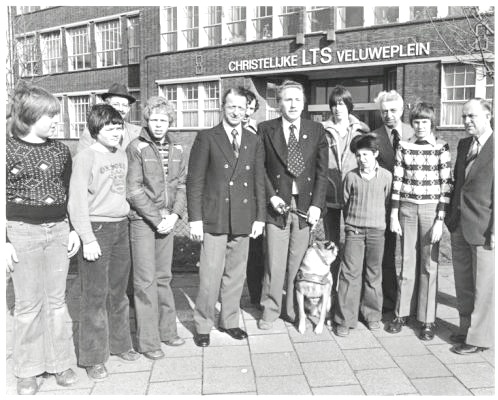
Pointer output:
x,y
235,144
295,162
473,152
396,139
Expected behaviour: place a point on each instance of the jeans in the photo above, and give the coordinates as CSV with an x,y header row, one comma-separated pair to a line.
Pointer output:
x,y
154,302
332,227
360,277
42,326
104,308
417,286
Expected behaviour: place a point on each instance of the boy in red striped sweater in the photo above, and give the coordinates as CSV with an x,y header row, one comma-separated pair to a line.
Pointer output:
x,y
366,192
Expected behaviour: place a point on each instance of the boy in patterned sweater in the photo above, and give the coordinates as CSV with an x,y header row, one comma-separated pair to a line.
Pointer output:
x,y
366,193
99,210
39,241
422,185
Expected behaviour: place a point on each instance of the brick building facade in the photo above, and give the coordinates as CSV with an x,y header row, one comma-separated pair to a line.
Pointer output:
x,y
192,54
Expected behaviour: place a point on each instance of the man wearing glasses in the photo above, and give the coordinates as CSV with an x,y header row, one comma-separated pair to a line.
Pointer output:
x,y
119,98
226,206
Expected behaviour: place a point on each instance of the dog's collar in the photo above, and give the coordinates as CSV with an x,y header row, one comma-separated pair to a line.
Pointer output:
x,y
313,278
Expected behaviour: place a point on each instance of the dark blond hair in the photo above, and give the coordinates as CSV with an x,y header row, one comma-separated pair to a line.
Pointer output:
x,y
30,103
159,105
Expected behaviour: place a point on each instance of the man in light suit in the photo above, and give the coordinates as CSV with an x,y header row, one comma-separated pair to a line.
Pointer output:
x,y
296,164
119,98
471,223
226,206
388,135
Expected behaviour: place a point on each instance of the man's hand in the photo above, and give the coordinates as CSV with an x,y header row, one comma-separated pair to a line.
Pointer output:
x,y
196,231
73,244
313,216
257,229
10,256
437,231
167,224
395,226
277,203
91,251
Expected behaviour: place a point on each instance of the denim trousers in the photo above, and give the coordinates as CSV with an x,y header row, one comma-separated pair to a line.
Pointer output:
x,y
42,326
417,282
360,277
104,307
152,254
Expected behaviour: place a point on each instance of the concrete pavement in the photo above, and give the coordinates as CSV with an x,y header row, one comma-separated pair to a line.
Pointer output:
x,y
282,361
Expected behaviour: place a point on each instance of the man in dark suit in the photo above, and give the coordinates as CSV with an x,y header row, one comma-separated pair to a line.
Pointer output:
x,y
471,223
388,135
296,164
226,206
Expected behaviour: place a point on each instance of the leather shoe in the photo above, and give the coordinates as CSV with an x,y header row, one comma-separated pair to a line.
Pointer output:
x,y
97,372
27,385
129,356
396,324
427,332
201,339
235,333
176,341
66,378
154,354
342,330
465,349
458,338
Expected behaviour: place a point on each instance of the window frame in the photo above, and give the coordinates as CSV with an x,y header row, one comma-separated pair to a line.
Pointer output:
x,y
77,125
109,56
46,40
192,27
257,19
133,31
29,63
170,36
309,14
85,57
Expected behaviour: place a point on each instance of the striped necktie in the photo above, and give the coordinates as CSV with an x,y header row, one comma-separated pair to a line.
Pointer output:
x,y
471,155
235,144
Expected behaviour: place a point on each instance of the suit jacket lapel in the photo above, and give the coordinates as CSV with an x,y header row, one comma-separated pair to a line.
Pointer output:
x,y
484,157
278,141
304,137
243,152
224,144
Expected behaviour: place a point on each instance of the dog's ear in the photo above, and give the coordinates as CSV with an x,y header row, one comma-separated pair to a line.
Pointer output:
x,y
329,245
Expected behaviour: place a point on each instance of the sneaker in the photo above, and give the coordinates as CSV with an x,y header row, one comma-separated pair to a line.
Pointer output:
x,y
129,356
97,372
66,378
264,325
154,354
341,330
27,385
373,325
176,341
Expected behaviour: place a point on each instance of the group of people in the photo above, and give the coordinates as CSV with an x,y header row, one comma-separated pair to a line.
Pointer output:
x,y
254,194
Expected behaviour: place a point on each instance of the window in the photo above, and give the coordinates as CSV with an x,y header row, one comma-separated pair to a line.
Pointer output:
x,y
78,48
211,103
263,22
133,40
192,23
170,92
108,41
78,110
169,33
213,27
236,24
386,15
349,17
290,20
459,85
59,133
420,13
490,88
135,114
197,105
28,57
190,105
51,52
272,110
319,18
